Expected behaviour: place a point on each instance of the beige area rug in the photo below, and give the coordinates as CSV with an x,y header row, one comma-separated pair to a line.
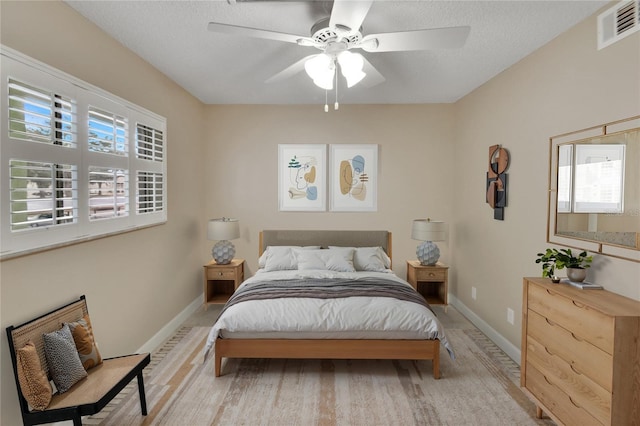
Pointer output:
x,y
479,388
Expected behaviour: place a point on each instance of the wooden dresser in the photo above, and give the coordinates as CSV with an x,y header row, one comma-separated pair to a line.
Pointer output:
x,y
581,354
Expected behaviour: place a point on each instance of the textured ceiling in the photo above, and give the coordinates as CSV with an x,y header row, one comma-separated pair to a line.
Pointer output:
x,y
226,69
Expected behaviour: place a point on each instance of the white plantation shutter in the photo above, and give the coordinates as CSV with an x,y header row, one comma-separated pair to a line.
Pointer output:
x,y
149,143
107,132
150,195
66,173
38,115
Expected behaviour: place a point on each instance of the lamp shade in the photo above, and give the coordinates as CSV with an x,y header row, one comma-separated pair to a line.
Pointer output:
x,y
428,230
223,229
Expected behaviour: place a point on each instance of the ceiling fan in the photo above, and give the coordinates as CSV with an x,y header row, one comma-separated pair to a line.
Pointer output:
x,y
338,34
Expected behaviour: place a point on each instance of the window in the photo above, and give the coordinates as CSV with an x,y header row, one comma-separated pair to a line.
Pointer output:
x,y
591,178
67,172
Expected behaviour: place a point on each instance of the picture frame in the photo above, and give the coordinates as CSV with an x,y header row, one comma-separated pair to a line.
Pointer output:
x,y
302,177
353,177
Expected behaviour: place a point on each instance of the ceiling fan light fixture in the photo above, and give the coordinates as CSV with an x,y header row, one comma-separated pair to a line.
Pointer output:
x,y
351,65
321,68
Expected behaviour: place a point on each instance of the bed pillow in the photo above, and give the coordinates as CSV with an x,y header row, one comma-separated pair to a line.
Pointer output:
x,y
330,260
281,258
370,259
85,342
34,384
63,360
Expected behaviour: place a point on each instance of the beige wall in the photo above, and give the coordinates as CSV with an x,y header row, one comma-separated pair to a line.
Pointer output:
x,y
415,173
137,282
566,85
432,163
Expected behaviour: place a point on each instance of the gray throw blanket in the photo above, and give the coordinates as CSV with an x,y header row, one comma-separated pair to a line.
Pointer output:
x,y
325,288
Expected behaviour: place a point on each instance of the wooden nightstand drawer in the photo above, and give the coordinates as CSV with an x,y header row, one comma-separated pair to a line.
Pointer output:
x,y
430,274
221,273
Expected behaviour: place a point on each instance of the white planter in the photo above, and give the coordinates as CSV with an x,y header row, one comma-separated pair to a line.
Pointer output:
x,y
576,274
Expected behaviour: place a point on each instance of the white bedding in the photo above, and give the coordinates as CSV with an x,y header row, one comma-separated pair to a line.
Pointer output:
x,y
344,318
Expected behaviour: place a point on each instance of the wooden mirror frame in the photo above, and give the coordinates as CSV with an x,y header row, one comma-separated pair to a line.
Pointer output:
x,y
592,245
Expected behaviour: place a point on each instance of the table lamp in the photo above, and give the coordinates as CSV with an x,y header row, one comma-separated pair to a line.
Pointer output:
x,y
428,231
223,230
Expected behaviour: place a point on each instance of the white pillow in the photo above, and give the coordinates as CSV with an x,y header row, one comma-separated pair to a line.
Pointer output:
x,y
372,259
331,260
281,258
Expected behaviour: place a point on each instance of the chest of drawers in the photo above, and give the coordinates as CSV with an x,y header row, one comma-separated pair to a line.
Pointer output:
x,y
581,354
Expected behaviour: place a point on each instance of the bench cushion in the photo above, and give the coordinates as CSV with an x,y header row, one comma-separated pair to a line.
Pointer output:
x,y
33,381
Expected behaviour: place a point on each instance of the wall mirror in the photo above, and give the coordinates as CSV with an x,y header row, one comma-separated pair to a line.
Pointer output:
x,y
594,189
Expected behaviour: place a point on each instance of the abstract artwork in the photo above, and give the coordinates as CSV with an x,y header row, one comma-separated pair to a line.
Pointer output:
x,y
302,177
353,177
497,180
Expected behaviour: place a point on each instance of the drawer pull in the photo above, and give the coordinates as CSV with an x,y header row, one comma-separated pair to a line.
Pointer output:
x,y
577,338
551,323
221,273
574,403
431,274
548,351
574,370
547,380
579,305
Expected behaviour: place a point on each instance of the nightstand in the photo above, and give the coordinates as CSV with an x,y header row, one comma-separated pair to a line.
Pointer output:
x,y
220,281
432,282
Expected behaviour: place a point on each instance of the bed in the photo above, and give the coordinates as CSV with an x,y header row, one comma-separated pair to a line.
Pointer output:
x,y
326,295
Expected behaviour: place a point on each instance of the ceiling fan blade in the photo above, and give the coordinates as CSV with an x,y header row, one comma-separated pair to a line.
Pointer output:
x,y
256,33
290,71
373,77
437,38
349,13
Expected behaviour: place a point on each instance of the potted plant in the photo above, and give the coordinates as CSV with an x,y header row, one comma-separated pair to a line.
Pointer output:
x,y
576,264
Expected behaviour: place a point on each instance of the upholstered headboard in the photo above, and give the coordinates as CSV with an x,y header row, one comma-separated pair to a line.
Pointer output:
x,y
325,239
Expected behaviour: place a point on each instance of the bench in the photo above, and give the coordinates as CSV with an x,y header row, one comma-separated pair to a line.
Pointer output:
x,y
90,394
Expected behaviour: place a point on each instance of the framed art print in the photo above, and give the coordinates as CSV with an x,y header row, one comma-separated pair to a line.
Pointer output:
x,y
302,177
353,180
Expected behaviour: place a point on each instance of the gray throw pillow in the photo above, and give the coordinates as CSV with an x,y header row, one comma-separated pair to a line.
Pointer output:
x,y
62,357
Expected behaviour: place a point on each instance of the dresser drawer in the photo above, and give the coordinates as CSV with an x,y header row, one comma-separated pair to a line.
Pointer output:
x,y
555,400
430,274
580,388
221,274
583,357
582,321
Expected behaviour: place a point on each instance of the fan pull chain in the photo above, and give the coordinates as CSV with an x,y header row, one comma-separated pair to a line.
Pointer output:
x,y
336,106
326,104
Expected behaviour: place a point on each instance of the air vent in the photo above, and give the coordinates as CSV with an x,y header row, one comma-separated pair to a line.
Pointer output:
x,y
618,22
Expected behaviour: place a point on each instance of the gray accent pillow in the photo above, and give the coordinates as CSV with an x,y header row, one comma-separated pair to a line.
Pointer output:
x,y
62,357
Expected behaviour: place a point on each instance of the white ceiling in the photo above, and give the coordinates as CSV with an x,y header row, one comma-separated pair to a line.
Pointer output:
x,y
225,69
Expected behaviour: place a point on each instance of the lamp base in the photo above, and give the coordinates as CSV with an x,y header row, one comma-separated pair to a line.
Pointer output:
x,y
223,252
428,253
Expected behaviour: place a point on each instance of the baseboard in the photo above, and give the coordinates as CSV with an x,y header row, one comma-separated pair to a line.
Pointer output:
x,y
170,328
509,348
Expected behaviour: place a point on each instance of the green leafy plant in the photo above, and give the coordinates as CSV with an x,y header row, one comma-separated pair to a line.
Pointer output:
x,y
553,259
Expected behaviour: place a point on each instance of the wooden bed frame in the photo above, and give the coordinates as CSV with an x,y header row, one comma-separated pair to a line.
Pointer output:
x,y
328,348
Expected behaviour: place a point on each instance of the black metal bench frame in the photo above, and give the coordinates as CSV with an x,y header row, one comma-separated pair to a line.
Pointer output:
x,y
33,330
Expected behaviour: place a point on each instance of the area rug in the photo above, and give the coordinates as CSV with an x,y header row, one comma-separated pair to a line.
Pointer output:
x,y
479,387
